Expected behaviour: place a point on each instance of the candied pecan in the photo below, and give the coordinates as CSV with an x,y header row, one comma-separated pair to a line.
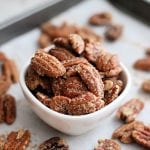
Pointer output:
x,y
46,64
84,104
108,64
92,79
55,143
73,86
107,144
92,51
146,86
113,32
124,132
61,54
76,43
130,110
2,114
33,80
103,18
143,64
142,136
62,42
44,40
148,51
18,140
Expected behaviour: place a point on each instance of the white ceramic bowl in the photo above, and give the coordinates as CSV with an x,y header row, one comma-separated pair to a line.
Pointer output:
x,y
74,125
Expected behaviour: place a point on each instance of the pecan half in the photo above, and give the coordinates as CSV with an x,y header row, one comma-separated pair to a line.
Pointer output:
x,y
142,136
130,110
108,64
143,64
92,79
77,43
146,86
107,144
62,42
124,132
61,54
73,86
44,40
18,140
84,104
46,64
55,143
113,32
103,18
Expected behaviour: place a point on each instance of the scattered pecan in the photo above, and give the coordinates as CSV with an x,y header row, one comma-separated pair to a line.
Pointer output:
x,y
77,43
92,79
61,54
112,88
143,64
7,109
18,140
44,40
107,144
108,64
142,136
124,132
103,18
55,143
46,64
130,110
73,86
84,104
146,86
148,51
113,32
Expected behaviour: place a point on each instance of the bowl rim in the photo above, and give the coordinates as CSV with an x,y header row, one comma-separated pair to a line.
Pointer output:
x,y
75,117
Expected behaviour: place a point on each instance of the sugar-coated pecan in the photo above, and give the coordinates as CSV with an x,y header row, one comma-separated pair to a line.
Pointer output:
x,y
148,51
84,104
143,64
142,136
92,51
46,64
55,143
124,132
107,144
44,40
33,80
103,18
62,42
61,54
76,43
73,86
146,86
108,64
92,79
18,140
113,32
130,110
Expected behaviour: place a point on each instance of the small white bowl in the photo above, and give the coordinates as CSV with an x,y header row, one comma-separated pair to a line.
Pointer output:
x,y
74,125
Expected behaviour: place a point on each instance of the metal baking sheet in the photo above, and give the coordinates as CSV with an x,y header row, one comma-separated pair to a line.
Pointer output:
x,y
129,47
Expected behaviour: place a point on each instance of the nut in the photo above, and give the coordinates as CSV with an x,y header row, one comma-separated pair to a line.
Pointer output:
x,y
61,54
107,144
103,18
124,132
18,140
146,86
62,42
2,57
46,64
108,64
84,104
77,43
130,110
142,136
113,32
54,143
143,64
44,40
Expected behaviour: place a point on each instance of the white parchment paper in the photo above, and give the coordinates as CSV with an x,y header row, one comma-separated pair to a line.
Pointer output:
x,y
129,48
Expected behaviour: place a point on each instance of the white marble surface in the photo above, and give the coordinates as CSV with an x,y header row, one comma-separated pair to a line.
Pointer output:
x,y
130,47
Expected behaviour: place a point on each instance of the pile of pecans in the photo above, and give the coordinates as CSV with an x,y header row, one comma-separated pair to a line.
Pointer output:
x,y
75,77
